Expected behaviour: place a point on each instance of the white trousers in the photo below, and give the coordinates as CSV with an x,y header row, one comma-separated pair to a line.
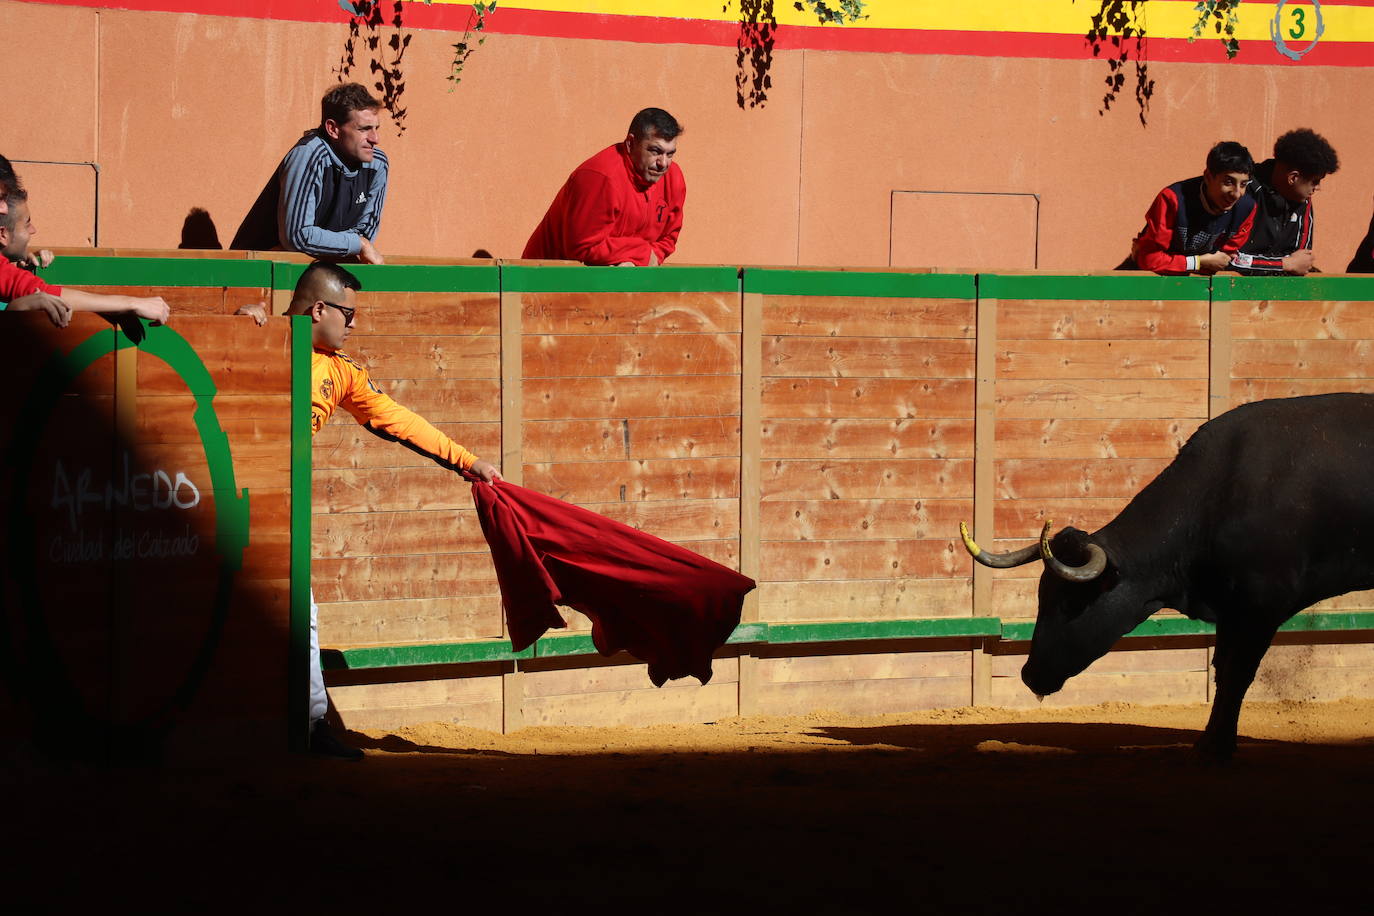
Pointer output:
x,y
319,700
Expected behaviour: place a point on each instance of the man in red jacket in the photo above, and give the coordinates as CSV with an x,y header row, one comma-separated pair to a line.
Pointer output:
x,y
622,206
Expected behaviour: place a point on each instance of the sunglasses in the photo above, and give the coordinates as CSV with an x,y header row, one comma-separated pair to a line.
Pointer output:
x,y
343,309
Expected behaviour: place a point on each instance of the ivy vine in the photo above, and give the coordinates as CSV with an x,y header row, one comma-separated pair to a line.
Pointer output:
x,y
1118,27
758,26
365,28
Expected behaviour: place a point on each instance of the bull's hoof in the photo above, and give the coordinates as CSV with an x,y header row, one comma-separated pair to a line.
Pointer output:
x,y
1213,750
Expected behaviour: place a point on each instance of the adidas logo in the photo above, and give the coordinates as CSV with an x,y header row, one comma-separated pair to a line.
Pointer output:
x,y
362,198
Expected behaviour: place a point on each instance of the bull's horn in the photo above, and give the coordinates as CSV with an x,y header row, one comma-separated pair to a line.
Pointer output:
x,y
1097,561
1000,560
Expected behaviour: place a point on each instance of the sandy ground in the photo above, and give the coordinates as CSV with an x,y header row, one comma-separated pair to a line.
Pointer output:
x,y
1100,808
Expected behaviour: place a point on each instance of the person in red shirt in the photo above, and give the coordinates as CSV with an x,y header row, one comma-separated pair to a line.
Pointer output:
x,y
1197,225
623,206
23,290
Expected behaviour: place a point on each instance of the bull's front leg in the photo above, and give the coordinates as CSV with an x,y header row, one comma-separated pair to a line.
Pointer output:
x,y
1241,644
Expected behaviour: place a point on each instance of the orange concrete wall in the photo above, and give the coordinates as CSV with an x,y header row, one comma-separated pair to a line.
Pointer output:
x,y
184,110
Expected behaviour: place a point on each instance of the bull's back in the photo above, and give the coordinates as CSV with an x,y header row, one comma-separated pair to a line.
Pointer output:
x,y
1290,505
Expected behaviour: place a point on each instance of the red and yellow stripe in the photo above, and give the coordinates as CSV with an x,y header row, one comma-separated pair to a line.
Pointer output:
x,y
992,28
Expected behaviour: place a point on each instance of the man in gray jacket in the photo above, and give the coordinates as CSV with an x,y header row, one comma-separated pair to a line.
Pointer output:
x,y
326,197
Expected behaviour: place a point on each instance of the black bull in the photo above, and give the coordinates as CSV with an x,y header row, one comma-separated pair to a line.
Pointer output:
x,y
1267,509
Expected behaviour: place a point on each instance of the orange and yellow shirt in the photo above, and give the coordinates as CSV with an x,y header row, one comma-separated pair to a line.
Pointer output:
x,y
337,381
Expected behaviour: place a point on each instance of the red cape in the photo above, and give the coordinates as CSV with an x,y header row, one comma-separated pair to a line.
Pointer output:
x,y
662,603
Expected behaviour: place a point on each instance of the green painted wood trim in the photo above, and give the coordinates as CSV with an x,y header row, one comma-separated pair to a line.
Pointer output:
x,y
1323,622
1333,289
748,632
405,278
859,283
1329,622
576,279
565,645
70,271
298,626
452,653
1129,285
917,628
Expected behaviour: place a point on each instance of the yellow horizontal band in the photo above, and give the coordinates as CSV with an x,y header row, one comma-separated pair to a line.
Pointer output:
x,y
1161,18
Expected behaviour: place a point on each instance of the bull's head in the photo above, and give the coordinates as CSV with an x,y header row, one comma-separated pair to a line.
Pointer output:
x,y
1086,604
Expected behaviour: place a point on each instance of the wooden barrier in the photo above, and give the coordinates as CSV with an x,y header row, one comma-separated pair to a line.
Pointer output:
x,y
148,497
822,431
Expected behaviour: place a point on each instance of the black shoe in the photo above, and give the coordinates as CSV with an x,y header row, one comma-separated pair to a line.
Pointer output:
x,y
324,743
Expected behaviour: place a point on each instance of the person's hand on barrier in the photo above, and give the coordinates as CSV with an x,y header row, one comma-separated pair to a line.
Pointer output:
x,y
367,253
1211,263
485,470
41,258
255,310
58,311
1299,262
154,308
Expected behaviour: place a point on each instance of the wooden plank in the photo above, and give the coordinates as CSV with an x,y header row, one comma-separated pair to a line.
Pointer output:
x,y
1150,689
867,357
1070,319
257,465
246,420
1015,597
899,559
406,621
857,316
1121,661
652,437
438,313
751,471
867,667
389,490
261,373
1286,320
704,519
1088,514
876,666
1097,359
365,534
630,313
345,445
443,400
512,400
1350,601
676,396
867,398
1029,478
863,698
1245,390
471,701
1102,398
452,575
619,673
617,481
867,479
1220,350
1302,359
851,438
865,599
599,355
858,519
190,300
427,356
669,705
1072,438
